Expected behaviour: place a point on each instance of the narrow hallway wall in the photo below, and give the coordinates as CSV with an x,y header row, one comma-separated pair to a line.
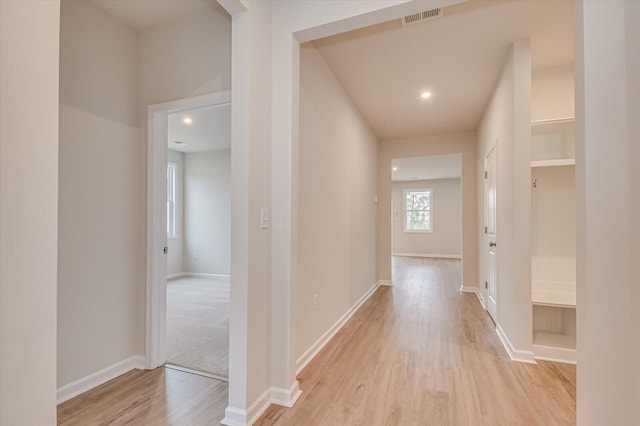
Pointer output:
x,y
337,212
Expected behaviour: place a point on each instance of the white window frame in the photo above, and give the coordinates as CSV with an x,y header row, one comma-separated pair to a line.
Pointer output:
x,y
404,210
171,200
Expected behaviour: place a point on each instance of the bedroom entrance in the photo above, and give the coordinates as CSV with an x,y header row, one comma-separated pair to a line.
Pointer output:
x,y
198,239
188,299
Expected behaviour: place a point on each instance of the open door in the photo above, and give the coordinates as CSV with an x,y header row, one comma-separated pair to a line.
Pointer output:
x,y
490,232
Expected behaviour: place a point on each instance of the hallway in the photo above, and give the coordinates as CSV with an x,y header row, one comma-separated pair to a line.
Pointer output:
x,y
419,353
422,353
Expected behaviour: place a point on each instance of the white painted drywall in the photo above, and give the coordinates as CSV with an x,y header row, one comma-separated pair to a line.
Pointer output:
x,y
459,143
29,48
250,174
337,213
186,58
506,123
101,196
207,212
552,93
446,216
553,212
608,207
175,262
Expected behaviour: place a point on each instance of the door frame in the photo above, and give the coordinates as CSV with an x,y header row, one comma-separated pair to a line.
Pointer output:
x,y
485,235
156,282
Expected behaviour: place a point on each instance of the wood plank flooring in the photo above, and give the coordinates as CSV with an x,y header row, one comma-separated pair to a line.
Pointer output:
x,y
420,353
159,397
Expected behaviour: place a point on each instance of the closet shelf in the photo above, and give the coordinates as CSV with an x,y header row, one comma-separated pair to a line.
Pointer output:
x,y
554,163
553,293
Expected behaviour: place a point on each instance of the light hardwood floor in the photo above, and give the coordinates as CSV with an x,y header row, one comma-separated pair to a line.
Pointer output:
x,y
159,397
420,353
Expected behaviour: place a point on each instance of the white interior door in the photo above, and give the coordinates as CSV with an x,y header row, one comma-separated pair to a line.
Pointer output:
x,y
490,231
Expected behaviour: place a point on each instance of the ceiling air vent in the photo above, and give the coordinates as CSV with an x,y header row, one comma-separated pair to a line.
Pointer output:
x,y
421,17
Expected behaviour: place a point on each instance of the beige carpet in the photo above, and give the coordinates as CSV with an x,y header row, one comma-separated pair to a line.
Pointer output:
x,y
198,324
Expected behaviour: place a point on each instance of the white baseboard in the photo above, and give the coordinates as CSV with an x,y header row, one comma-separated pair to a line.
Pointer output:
x,y
517,355
285,397
310,353
195,275
440,256
235,417
200,275
176,275
481,299
387,283
550,353
476,290
93,380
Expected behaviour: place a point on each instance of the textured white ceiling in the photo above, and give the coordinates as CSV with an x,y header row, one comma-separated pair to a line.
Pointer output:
x,y
210,129
425,168
143,14
458,57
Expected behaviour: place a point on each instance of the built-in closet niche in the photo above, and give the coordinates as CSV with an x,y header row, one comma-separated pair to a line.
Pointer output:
x,y
553,263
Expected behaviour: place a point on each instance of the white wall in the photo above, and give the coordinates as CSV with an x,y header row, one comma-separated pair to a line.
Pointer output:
x,y
552,93
187,58
506,123
459,143
207,212
337,230
29,47
553,239
101,197
446,217
608,207
175,262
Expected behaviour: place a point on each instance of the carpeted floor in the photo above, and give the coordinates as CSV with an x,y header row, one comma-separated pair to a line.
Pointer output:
x,y
198,324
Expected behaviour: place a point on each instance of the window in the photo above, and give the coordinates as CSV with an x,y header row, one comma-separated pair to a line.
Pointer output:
x,y
171,200
417,207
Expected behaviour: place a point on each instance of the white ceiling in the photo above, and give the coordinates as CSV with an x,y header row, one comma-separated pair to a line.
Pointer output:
x,y
143,14
458,57
425,168
210,129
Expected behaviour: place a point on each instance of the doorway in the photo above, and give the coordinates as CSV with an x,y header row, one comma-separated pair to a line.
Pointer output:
x,y
199,239
426,217
178,176
490,237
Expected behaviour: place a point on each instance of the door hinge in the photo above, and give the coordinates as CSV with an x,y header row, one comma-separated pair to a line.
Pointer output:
x,y
486,175
486,285
485,229
165,250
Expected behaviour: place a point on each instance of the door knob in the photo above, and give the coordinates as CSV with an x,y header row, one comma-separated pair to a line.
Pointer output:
x,y
492,244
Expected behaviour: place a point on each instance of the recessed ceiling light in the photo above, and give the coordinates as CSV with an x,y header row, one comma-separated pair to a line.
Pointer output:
x,y
425,95
187,120
395,169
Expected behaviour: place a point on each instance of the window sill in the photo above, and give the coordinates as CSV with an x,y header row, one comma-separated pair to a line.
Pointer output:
x,y
418,232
